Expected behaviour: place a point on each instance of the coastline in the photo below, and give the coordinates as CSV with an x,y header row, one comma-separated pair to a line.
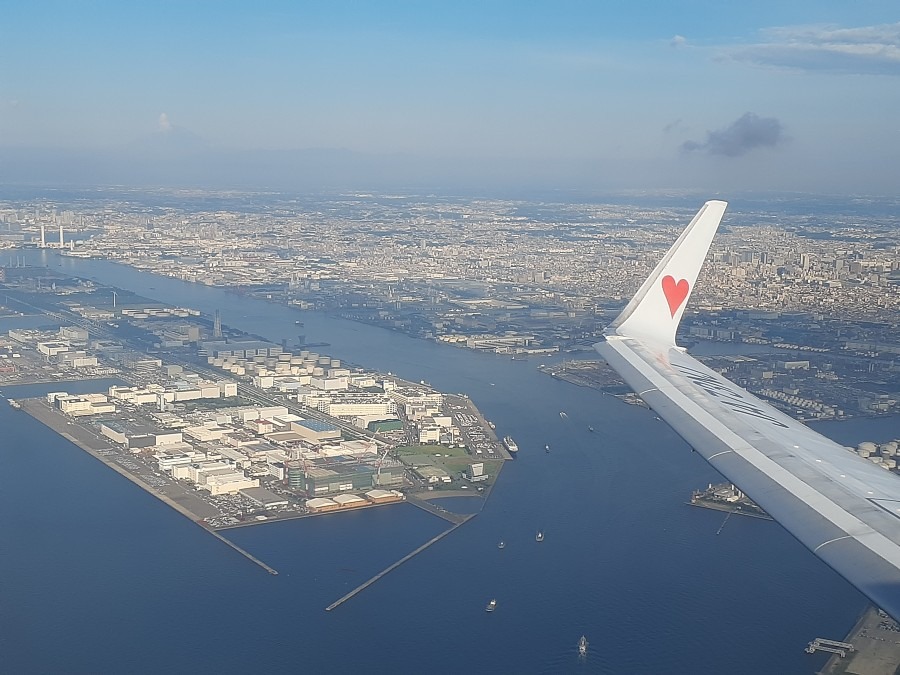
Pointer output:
x,y
81,438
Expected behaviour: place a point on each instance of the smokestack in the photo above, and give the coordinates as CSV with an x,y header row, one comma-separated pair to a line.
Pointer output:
x,y
43,237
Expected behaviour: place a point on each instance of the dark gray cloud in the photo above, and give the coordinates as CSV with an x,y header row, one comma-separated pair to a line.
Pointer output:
x,y
864,50
748,132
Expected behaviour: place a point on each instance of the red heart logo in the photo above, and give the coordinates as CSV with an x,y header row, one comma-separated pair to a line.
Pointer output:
x,y
675,292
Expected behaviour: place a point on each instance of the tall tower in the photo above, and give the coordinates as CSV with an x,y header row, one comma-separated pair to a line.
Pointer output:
x,y
61,242
217,326
43,236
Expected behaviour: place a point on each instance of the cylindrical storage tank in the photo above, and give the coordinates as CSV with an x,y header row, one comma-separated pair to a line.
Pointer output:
x,y
887,450
892,447
868,446
304,353
889,463
296,360
324,360
318,372
875,459
335,363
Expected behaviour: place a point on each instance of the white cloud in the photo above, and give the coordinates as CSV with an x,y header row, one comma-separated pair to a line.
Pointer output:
x,y
164,124
863,50
678,41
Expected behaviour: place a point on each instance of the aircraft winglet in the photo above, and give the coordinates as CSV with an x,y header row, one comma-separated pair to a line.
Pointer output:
x,y
655,311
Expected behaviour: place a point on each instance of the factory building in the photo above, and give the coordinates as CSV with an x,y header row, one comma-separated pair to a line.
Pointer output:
x,y
433,474
73,334
227,484
329,383
415,397
321,505
138,435
239,348
391,474
206,434
336,478
83,405
77,359
315,430
363,405
135,395
247,414
264,498
52,347
384,496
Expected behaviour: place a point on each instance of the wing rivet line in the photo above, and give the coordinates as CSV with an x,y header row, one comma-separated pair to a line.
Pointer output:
x,y
830,541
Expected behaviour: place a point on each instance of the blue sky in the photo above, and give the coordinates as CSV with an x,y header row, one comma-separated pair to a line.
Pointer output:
x,y
639,95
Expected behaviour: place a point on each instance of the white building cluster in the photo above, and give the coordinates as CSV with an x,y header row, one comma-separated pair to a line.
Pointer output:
x,y
230,450
66,347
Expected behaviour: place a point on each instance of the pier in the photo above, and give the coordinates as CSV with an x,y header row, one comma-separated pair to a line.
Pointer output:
x,y
246,554
434,509
359,589
833,646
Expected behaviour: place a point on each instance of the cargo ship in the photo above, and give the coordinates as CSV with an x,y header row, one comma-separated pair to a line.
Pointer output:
x,y
510,445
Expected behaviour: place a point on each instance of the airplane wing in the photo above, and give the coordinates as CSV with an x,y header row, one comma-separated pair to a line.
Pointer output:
x,y
842,507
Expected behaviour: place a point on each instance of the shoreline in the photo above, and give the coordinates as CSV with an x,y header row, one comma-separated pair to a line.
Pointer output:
x,y
56,422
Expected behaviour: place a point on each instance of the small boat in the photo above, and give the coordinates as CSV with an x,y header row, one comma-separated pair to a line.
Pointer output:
x,y
564,415
491,606
547,448
582,646
591,429
502,544
539,536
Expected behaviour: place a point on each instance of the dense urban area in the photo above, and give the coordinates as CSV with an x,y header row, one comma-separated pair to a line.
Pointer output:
x,y
233,429
519,278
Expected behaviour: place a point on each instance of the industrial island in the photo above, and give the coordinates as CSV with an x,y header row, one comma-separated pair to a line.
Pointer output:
x,y
227,428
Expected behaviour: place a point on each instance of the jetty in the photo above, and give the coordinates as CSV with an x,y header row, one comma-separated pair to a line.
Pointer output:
x,y
359,589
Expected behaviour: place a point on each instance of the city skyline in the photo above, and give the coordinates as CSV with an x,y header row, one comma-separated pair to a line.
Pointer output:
x,y
572,96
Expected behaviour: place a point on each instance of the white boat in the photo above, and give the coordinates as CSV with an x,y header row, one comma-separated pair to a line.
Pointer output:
x,y
539,536
582,646
491,606
564,415
510,445
502,544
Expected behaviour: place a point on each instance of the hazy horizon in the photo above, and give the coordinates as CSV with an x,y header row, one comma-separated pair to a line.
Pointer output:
x,y
570,95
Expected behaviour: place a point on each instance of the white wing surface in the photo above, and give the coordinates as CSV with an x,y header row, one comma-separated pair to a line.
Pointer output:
x,y
844,508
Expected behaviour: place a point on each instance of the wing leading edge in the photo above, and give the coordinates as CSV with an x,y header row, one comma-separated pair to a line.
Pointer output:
x,y
842,507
